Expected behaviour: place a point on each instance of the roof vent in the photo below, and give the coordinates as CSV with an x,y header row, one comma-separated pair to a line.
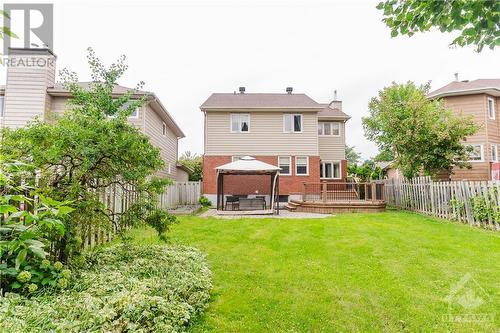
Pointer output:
x,y
289,90
456,77
242,90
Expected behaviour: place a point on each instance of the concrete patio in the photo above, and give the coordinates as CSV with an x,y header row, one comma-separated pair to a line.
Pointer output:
x,y
284,214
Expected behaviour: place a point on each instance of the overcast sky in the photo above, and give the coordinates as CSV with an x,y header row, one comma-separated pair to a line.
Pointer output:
x,y
186,50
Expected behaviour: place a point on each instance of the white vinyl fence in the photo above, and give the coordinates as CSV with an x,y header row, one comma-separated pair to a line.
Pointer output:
x,y
472,202
118,200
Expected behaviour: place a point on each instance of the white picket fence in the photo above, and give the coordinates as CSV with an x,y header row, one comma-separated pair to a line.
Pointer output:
x,y
473,202
118,200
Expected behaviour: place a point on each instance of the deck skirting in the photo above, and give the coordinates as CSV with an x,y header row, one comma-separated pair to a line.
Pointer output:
x,y
336,207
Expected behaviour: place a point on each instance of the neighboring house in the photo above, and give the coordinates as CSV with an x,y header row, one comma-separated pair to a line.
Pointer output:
x,y
389,171
304,138
31,92
479,99
183,173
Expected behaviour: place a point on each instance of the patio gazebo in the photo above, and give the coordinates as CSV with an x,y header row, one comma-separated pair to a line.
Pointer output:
x,y
249,166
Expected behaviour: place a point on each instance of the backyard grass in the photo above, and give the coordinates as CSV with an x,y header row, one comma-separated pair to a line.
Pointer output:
x,y
388,272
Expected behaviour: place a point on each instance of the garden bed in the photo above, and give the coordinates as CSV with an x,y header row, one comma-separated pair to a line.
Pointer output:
x,y
123,288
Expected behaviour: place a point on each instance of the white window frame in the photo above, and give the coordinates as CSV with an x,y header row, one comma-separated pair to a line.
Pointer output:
x,y
307,166
482,152
136,116
2,105
491,111
163,129
239,123
322,125
289,165
292,128
494,148
322,167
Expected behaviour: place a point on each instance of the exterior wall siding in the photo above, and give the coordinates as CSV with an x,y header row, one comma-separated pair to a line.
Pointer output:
x,y
265,137
488,134
25,91
167,144
332,148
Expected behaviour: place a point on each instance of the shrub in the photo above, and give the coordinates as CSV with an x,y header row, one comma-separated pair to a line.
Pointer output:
x,y
204,202
124,288
161,221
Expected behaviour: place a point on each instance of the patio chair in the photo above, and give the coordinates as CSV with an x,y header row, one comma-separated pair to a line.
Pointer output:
x,y
263,198
232,201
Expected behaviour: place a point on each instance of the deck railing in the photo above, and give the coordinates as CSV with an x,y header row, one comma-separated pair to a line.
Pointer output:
x,y
342,192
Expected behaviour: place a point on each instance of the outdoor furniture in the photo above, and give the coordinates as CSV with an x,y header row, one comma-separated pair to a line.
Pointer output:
x,y
263,198
252,204
232,201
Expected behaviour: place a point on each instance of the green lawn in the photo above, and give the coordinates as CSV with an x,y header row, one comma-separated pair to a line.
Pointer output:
x,y
355,272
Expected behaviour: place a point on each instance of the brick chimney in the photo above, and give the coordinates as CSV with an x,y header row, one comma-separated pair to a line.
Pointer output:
x,y
30,71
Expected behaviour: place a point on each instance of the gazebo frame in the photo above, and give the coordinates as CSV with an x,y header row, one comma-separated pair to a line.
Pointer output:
x,y
249,166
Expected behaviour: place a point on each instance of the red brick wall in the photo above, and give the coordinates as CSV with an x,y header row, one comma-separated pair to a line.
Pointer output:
x,y
250,184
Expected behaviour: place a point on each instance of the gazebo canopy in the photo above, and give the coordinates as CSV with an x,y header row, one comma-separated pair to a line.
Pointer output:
x,y
247,164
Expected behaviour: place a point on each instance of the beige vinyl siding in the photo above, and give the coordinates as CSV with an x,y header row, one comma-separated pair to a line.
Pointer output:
x,y
167,144
332,148
265,137
60,105
25,93
475,106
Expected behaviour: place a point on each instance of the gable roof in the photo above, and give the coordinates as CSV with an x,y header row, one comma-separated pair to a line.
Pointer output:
x,y
332,110
456,88
260,101
59,90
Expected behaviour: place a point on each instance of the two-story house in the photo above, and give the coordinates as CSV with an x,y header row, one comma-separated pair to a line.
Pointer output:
x,y
304,138
31,91
479,99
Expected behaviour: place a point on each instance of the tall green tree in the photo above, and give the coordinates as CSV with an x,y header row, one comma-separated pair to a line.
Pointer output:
x,y
384,156
423,134
194,162
89,148
477,20
352,156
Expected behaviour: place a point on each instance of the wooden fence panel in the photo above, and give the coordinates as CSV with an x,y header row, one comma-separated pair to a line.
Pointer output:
x,y
472,202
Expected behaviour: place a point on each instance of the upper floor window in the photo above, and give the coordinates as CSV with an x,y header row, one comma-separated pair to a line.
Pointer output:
x,y
491,108
292,123
494,153
302,166
1,105
163,129
240,123
329,128
285,163
330,170
477,153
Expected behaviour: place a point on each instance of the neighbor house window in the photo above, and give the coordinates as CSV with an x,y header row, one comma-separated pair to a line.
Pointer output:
x,y
477,153
329,128
292,123
330,170
285,163
1,105
163,129
494,153
491,108
302,165
240,123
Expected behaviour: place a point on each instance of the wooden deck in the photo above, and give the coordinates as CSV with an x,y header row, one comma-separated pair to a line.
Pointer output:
x,y
351,206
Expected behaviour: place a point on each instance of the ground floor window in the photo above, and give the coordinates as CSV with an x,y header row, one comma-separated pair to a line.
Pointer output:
x,y
494,153
330,170
285,163
302,165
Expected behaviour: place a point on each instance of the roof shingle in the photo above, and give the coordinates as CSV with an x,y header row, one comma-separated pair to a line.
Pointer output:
x,y
464,87
259,100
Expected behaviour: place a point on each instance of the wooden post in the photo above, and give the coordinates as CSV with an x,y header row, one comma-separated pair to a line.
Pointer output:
x,y
323,191
374,192
303,192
